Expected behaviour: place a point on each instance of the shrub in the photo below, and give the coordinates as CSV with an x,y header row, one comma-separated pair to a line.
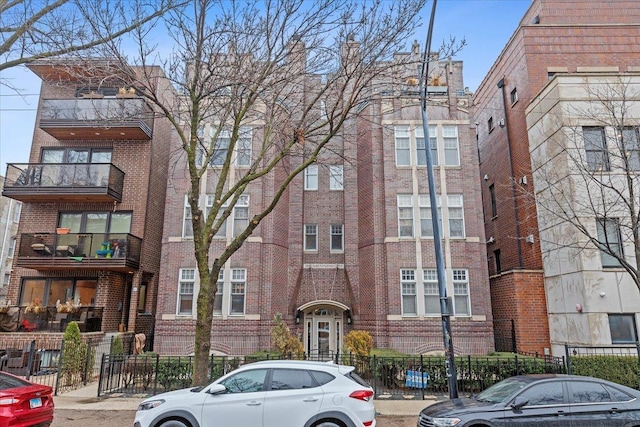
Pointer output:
x,y
359,342
117,346
283,340
74,355
620,369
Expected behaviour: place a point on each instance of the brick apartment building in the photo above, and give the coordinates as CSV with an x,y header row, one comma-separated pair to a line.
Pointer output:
x,y
348,247
554,37
93,204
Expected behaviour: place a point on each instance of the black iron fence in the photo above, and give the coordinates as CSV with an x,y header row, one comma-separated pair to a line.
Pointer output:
x,y
620,364
391,378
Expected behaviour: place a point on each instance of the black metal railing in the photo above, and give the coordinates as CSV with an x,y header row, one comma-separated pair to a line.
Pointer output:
x,y
81,245
42,177
100,112
37,318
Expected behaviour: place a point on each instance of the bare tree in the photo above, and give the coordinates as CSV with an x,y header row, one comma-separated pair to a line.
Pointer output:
x,y
263,90
586,161
35,29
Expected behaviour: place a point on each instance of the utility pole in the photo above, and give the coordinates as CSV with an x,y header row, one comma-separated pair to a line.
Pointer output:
x,y
437,242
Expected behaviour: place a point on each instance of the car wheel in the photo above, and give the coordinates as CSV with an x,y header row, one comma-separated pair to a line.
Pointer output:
x,y
174,422
329,423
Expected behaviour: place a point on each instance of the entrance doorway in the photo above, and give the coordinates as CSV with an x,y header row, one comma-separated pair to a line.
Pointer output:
x,y
323,332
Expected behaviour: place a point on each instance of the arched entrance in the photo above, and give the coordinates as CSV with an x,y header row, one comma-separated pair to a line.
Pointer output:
x,y
323,328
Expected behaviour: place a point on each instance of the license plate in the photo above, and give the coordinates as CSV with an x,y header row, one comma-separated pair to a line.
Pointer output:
x,y
36,402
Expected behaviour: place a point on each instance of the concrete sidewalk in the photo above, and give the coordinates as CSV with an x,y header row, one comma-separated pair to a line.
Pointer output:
x,y
85,398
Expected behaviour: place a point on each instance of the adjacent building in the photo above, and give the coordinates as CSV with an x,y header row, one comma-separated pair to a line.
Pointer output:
x,y
350,245
92,200
9,218
554,38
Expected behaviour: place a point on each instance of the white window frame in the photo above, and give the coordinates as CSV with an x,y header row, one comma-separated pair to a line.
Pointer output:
x,y
408,291
402,145
405,206
461,294
421,157
218,303
455,213
311,178
596,152
6,279
243,146
12,247
240,221
242,152
431,290
608,230
337,232
310,230
455,208
186,219
238,288
631,147
336,177
451,145
16,212
209,202
186,276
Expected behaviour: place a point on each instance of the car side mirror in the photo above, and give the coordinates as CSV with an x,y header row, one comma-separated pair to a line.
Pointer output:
x,y
217,389
519,402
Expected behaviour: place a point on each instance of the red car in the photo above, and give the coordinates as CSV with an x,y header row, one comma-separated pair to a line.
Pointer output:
x,y
23,403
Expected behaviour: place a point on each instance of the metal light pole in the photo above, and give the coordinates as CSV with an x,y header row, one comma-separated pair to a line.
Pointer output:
x,y
437,243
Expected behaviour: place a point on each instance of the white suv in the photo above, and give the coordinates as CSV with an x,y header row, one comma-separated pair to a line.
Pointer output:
x,y
274,393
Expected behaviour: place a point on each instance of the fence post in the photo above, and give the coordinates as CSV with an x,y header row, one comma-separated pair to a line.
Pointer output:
x,y
87,356
59,370
566,352
102,371
375,370
32,349
422,371
155,380
514,345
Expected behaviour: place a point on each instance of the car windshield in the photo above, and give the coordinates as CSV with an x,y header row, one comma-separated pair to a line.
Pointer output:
x,y
499,392
7,382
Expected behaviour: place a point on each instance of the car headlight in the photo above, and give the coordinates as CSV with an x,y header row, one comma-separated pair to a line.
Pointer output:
x,y
151,404
445,422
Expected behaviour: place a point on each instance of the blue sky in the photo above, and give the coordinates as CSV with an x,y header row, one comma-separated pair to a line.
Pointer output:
x,y
486,25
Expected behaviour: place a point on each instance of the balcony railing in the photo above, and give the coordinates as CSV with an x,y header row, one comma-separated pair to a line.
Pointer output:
x,y
124,118
47,319
31,182
102,251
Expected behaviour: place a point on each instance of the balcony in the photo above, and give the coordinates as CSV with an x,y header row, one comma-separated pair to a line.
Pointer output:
x,y
97,118
48,319
63,182
80,251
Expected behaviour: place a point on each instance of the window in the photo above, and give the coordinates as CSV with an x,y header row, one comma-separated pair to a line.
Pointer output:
x,y
490,124
16,212
421,155
336,177
596,149
186,287
588,392
405,215
222,144
5,280
238,285
12,247
48,290
494,205
337,237
610,241
623,328
241,215
456,216
514,96
498,261
291,379
431,292
403,146
451,154
408,283
243,146
548,393
210,200
461,300
311,177
220,147
187,225
310,237
217,303
631,148
246,382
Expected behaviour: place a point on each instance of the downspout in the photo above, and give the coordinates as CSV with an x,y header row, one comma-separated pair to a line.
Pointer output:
x,y
514,192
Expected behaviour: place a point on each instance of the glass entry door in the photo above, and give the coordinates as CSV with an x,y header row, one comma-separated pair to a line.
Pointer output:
x,y
323,332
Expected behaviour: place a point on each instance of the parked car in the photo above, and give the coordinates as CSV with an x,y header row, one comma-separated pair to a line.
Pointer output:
x,y
540,400
268,394
23,403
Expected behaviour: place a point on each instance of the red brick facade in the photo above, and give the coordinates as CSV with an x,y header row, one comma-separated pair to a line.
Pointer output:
x,y
553,36
360,286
